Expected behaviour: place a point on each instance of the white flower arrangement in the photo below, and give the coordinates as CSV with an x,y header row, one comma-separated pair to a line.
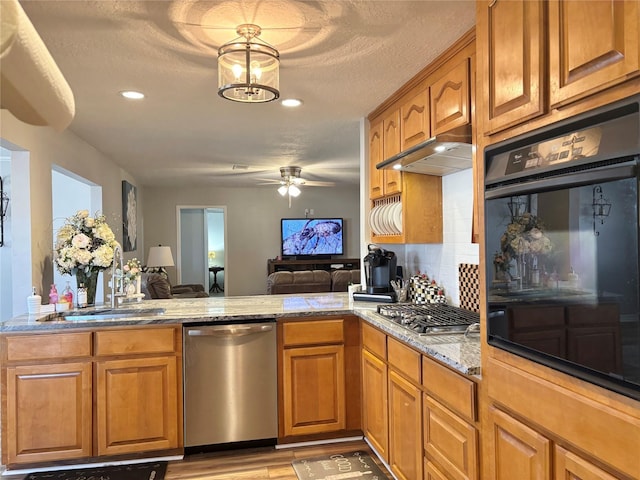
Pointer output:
x,y
84,243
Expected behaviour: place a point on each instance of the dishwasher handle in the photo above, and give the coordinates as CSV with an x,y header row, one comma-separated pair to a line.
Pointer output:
x,y
229,330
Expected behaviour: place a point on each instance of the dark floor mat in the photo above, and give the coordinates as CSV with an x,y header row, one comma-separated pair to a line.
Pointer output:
x,y
136,471
339,466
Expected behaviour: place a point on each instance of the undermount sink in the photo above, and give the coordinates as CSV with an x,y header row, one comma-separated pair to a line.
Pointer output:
x,y
108,314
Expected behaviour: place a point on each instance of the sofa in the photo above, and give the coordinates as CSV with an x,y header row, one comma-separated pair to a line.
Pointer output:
x,y
156,286
311,281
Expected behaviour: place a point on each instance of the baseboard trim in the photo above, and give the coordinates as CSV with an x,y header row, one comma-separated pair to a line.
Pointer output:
x,y
318,442
380,458
91,465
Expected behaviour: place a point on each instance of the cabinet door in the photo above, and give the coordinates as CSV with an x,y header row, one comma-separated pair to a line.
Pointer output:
x,y
374,403
376,155
431,472
570,466
450,441
517,451
415,119
405,428
137,405
313,390
511,61
48,413
391,147
592,45
450,98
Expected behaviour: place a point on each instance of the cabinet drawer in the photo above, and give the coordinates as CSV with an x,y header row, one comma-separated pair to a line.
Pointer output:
x,y
312,333
125,342
49,346
452,389
404,359
374,340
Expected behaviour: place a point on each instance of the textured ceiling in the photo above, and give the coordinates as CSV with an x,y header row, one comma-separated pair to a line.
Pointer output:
x,y
342,58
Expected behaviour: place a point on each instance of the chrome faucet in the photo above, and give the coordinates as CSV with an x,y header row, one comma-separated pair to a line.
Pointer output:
x,y
117,280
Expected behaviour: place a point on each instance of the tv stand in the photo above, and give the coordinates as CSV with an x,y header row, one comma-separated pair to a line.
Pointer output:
x,y
311,264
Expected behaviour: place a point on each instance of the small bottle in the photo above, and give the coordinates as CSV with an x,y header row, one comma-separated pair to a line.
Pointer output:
x,y
82,296
33,302
53,295
68,295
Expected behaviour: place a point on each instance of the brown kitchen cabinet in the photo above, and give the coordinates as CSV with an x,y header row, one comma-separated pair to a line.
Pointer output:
x,y
48,397
568,465
537,56
316,356
53,379
415,119
384,136
405,410
518,450
451,439
451,99
375,423
592,46
375,418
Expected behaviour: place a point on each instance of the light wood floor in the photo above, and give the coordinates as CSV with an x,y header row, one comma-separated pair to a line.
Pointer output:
x,y
252,464
258,464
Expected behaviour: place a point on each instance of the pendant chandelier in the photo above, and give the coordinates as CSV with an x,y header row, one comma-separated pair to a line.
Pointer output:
x,y
248,68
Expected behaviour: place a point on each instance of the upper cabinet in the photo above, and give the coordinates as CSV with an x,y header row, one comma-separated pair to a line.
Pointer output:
x,y
450,99
407,207
592,45
537,56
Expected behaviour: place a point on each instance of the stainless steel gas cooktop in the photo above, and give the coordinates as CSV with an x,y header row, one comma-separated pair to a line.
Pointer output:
x,y
432,318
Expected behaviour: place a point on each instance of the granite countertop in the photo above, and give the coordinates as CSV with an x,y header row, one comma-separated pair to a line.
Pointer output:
x,y
460,352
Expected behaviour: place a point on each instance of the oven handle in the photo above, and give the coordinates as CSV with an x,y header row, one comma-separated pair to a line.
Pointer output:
x,y
574,179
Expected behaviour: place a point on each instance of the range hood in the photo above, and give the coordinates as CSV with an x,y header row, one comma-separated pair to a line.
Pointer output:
x,y
441,155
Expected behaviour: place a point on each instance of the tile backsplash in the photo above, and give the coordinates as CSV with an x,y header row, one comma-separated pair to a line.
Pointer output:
x,y
440,261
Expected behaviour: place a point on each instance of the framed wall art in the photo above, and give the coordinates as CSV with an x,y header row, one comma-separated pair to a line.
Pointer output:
x,y
129,217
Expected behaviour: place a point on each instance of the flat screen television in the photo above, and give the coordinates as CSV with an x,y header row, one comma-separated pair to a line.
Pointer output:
x,y
312,237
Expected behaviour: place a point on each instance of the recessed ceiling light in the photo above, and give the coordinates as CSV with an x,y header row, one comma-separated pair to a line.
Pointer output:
x,y
132,95
291,102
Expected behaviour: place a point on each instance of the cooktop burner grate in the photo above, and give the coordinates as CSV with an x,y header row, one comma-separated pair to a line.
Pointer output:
x,y
430,318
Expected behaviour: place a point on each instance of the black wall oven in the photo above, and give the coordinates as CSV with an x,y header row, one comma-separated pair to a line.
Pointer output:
x,y
561,244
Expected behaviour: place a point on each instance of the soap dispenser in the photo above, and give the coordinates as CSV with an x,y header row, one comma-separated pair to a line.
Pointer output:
x,y
33,302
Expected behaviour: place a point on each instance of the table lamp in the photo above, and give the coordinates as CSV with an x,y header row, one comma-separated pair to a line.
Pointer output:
x,y
160,257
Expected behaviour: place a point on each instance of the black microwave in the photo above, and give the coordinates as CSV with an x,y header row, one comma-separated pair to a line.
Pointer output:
x,y
561,245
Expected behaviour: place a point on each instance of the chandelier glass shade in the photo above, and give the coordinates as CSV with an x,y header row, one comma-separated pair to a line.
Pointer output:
x,y
248,68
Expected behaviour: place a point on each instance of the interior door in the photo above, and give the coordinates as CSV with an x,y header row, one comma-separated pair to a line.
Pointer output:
x,y
193,241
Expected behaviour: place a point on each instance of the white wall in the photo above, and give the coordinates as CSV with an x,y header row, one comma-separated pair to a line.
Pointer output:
x,y
440,261
46,149
252,222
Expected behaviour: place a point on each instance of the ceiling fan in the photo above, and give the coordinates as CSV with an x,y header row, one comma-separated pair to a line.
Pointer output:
x,y
291,181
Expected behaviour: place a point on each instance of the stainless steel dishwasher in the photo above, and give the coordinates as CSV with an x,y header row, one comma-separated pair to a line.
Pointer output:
x,y
230,384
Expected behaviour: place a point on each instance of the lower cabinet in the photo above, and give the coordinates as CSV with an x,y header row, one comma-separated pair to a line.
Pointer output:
x,y
375,422
47,413
313,389
91,393
521,452
419,415
137,405
405,428
315,397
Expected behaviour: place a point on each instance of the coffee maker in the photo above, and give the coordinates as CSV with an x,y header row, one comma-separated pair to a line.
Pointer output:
x,y
380,267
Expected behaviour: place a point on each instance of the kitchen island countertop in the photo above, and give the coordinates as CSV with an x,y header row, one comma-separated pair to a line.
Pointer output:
x,y
460,352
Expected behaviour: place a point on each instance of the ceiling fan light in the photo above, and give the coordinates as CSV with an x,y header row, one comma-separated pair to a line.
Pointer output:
x,y
248,68
283,190
294,191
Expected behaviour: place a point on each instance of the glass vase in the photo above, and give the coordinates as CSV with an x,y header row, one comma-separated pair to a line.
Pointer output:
x,y
90,281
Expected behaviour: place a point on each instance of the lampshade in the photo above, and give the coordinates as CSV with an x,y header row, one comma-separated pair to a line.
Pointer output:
x,y
160,257
248,68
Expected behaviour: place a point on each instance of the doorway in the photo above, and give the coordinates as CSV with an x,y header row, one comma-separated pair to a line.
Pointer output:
x,y
201,247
